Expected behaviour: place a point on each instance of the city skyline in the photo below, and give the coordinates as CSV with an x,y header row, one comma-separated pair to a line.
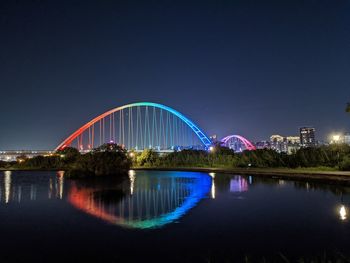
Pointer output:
x,y
254,70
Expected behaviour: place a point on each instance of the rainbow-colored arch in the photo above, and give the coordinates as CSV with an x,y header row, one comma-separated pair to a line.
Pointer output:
x,y
200,134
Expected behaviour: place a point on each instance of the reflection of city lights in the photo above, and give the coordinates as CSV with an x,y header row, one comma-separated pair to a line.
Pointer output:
x,y
212,190
60,180
132,176
281,182
238,184
342,212
7,182
19,194
50,188
60,176
32,192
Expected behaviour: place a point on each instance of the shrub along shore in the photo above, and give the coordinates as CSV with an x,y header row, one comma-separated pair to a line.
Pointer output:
x,y
106,160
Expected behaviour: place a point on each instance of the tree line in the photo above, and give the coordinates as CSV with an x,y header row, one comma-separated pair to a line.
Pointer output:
x,y
114,159
333,156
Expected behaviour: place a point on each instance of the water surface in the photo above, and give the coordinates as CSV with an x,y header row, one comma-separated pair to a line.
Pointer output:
x,y
171,216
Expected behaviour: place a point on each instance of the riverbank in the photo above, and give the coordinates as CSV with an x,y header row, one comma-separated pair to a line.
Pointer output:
x,y
331,177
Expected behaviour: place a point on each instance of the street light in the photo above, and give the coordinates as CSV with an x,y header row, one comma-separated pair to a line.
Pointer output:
x,y
336,138
211,150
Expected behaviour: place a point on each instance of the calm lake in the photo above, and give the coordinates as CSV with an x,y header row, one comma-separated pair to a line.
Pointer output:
x,y
156,216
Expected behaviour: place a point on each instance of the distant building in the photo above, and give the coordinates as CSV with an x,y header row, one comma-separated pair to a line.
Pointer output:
x,y
263,145
11,156
214,138
347,138
286,144
276,138
293,139
307,137
276,142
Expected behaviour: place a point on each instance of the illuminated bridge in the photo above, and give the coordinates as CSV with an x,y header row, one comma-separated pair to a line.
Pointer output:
x,y
237,143
139,126
145,125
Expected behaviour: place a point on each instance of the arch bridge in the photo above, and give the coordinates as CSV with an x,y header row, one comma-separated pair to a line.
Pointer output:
x,y
139,126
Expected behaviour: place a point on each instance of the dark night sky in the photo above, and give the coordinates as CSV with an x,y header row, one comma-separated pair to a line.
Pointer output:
x,y
249,67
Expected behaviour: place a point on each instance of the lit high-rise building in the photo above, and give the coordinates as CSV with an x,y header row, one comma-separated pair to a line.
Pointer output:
x,y
307,137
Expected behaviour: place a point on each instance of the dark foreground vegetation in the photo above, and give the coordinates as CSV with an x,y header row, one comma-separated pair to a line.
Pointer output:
x,y
112,159
108,159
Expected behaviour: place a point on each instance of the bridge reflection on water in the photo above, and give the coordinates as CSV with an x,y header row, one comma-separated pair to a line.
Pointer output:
x,y
146,201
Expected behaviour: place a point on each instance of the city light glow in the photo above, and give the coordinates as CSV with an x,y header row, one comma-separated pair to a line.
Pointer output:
x,y
336,137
